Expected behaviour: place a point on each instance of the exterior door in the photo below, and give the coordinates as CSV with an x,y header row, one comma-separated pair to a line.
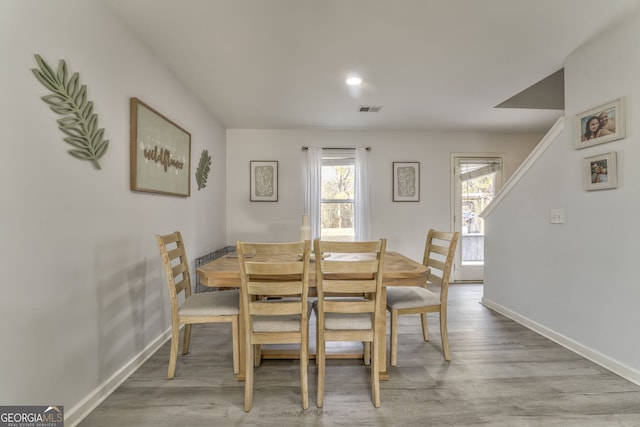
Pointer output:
x,y
475,181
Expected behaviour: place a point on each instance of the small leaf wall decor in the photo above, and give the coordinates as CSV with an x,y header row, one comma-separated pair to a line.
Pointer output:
x,y
202,172
69,99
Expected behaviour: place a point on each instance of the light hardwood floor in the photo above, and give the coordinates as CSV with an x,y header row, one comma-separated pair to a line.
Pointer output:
x,y
501,374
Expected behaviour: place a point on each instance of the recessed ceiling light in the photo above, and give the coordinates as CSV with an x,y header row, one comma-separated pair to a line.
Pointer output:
x,y
354,81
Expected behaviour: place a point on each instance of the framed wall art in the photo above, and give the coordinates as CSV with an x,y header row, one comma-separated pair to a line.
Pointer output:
x,y
406,181
600,171
601,124
160,153
264,180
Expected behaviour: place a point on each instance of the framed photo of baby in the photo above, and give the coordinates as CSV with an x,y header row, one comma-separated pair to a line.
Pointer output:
x,y
601,124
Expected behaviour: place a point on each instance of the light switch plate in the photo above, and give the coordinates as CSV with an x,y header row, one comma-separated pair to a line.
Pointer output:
x,y
556,216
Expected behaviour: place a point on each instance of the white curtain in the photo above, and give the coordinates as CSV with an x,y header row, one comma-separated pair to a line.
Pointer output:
x,y
312,190
362,217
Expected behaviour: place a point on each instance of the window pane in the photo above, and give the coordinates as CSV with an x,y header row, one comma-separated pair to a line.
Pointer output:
x,y
337,221
477,191
337,204
338,182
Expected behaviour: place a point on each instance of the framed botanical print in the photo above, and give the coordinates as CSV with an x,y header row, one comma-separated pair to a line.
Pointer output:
x,y
264,181
406,181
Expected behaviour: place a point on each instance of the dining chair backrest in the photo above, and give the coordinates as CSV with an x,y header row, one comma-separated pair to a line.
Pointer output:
x,y
269,273
351,268
176,267
439,253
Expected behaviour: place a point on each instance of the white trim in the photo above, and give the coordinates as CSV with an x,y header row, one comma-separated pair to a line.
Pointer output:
x,y
76,414
606,362
553,133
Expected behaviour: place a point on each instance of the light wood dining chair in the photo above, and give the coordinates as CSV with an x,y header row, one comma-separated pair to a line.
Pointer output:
x,y
350,268
274,280
206,307
439,252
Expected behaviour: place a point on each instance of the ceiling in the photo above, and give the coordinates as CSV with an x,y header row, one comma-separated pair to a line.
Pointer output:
x,y
430,64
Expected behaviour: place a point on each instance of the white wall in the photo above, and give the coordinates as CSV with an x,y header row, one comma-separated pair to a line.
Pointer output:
x,y
578,282
404,224
83,291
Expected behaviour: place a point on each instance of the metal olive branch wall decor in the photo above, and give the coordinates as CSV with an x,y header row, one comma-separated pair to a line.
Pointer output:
x,y
202,172
69,99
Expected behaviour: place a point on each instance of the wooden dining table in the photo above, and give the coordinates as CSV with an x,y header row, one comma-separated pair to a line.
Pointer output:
x,y
399,270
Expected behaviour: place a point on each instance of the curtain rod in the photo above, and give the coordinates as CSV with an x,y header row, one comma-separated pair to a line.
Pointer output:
x,y
305,148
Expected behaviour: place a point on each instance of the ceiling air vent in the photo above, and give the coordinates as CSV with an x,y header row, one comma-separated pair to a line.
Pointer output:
x,y
370,109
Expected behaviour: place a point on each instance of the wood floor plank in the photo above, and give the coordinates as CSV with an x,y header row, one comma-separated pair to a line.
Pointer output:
x,y
501,374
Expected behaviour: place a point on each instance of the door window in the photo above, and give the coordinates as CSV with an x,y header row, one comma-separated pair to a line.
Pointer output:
x,y
476,182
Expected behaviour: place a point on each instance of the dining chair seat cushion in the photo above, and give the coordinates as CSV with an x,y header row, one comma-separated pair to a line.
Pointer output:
x,y
401,297
216,303
341,321
347,321
288,323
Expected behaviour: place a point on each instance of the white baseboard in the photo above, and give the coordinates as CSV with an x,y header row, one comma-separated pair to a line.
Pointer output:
x,y
592,355
85,406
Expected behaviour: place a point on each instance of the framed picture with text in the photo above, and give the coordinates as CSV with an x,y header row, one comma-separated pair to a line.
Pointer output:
x,y
160,153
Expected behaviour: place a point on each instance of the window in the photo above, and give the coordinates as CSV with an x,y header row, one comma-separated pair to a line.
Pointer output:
x,y
337,193
337,199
